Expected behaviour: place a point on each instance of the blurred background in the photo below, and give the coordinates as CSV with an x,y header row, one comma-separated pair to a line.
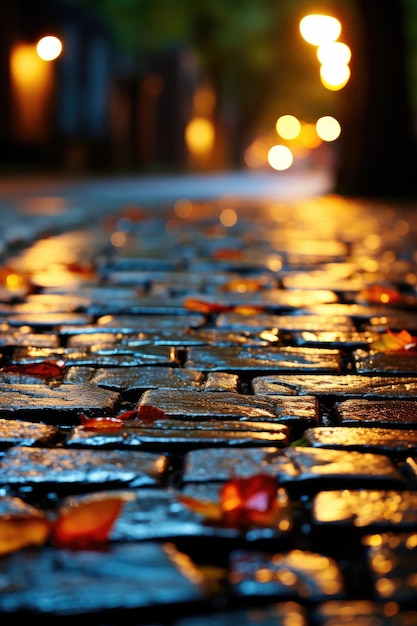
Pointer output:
x,y
161,86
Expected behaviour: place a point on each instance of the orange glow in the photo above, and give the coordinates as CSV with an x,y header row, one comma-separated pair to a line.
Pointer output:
x,y
204,100
31,82
308,136
288,126
280,157
320,29
199,136
256,155
49,48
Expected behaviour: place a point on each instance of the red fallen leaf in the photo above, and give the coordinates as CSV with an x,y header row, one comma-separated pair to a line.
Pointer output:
x,y
86,521
395,342
128,415
149,414
250,501
193,304
244,502
45,369
100,423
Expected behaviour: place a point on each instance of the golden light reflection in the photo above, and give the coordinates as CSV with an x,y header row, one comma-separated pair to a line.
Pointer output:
x,y
320,29
280,157
49,48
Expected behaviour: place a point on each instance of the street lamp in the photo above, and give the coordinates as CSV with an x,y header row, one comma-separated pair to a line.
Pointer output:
x,y
323,31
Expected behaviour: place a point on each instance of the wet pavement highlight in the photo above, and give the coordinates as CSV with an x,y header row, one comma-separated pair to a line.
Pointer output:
x,y
208,414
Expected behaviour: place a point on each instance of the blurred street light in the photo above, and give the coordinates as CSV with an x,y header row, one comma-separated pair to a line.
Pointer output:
x,y
49,48
320,29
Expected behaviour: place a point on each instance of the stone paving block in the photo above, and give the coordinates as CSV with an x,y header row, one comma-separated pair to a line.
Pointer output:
x,y
59,405
74,471
253,361
364,412
347,386
121,581
298,469
385,364
181,435
297,413
20,433
395,442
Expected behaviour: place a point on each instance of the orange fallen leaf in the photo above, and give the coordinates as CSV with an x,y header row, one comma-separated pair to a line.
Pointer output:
x,y
390,341
243,503
87,521
100,423
19,531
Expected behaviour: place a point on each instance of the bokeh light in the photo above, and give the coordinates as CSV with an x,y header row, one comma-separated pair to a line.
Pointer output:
x,y
334,76
280,157
49,48
288,126
328,128
320,29
334,52
199,135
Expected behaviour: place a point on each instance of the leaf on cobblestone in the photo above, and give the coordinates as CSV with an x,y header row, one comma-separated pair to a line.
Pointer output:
x,y
86,521
395,342
244,503
149,414
45,369
100,423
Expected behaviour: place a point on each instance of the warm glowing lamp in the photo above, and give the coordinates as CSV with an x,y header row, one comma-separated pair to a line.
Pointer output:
x,y
334,76
280,157
328,128
335,52
199,135
49,48
320,29
288,126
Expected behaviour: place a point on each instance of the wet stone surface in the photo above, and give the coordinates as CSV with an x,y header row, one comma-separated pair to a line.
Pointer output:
x,y
209,425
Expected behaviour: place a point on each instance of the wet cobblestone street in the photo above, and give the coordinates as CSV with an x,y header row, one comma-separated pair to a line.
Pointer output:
x,y
208,412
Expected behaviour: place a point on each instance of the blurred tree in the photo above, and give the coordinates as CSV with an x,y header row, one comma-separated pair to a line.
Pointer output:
x,y
252,53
